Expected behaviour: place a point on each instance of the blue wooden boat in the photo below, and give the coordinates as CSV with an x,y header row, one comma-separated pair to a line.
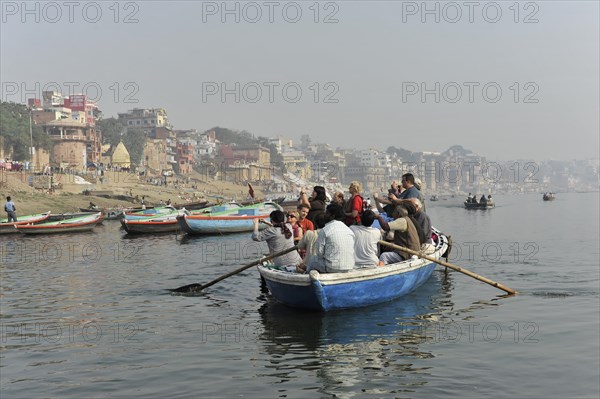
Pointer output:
x,y
225,219
353,289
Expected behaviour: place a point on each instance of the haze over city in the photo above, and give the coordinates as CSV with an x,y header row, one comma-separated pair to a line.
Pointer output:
x,y
506,80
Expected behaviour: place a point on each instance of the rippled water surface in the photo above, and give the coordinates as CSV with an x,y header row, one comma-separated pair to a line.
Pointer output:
x,y
89,315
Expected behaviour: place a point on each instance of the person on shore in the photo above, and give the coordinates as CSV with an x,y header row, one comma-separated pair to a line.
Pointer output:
x,y
354,206
11,210
316,202
335,243
365,241
279,237
302,220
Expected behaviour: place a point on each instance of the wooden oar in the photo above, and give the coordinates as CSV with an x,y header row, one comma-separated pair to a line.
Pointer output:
x,y
199,287
451,266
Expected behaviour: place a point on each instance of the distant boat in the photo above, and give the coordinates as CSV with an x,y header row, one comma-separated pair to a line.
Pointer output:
x,y
7,228
479,205
223,219
434,198
549,197
68,225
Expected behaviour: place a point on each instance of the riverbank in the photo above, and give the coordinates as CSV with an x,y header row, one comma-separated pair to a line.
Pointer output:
x,y
127,187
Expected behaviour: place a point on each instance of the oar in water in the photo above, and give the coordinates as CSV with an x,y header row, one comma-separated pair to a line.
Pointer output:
x,y
451,266
199,287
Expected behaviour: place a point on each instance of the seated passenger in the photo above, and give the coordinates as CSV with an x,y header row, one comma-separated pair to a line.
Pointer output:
x,y
335,243
405,235
307,246
279,237
365,241
425,223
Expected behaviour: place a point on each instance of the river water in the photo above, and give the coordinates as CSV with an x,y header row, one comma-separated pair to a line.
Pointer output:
x,y
88,315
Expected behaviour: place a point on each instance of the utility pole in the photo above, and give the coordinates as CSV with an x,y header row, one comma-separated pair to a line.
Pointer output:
x,y
30,138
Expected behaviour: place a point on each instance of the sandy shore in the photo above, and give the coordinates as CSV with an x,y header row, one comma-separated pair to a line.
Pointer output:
x,y
70,197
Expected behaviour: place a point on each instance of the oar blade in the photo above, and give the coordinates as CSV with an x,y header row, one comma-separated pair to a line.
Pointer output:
x,y
194,288
187,289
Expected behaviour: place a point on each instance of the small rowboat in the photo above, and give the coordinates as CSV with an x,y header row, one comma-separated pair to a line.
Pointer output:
x,y
355,288
7,228
153,212
153,224
68,225
479,205
109,213
230,218
549,197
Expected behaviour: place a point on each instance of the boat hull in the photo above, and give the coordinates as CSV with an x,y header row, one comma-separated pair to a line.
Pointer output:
x,y
353,289
73,225
146,227
230,221
9,228
470,205
218,225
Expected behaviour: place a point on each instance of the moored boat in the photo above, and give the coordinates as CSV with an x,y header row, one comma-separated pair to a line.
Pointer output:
x,y
153,212
356,288
549,197
67,225
153,224
109,213
223,219
7,228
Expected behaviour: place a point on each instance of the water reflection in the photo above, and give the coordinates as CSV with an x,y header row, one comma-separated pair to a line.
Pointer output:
x,y
352,350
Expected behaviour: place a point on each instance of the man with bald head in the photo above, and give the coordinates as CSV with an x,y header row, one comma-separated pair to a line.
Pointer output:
x,y
425,222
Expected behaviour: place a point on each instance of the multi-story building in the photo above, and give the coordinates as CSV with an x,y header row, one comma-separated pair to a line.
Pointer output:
x,y
241,163
155,124
76,145
185,155
70,122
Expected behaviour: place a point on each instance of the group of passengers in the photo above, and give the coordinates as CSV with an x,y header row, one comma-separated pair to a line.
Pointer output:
x,y
344,234
472,199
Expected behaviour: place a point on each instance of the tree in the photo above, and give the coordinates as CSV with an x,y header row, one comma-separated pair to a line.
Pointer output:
x,y
228,136
134,141
14,128
305,141
113,130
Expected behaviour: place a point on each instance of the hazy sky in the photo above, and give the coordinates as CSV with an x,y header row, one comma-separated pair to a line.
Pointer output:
x,y
507,80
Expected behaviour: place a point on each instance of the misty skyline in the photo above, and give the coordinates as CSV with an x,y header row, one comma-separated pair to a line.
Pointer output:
x,y
506,80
